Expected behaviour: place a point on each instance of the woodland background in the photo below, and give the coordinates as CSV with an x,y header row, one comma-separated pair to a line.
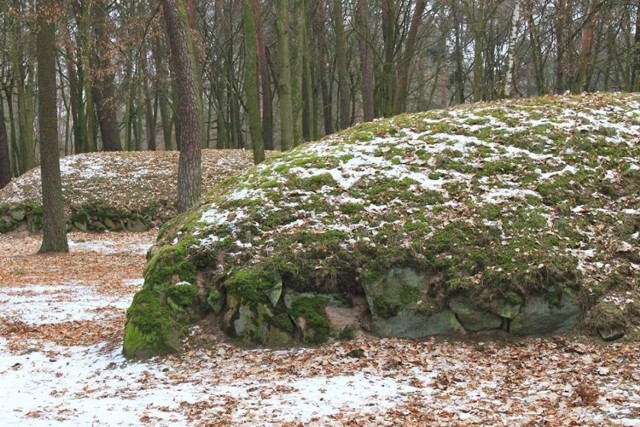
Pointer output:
x,y
316,66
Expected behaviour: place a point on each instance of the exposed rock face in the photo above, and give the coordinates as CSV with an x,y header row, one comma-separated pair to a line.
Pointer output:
x,y
510,216
541,316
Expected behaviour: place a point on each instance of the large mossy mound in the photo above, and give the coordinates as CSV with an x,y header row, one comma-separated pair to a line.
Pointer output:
x,y
519,216
113,191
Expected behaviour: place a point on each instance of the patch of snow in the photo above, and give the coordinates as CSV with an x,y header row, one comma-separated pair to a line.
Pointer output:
x,y
47,304
84,386
501,194
360,392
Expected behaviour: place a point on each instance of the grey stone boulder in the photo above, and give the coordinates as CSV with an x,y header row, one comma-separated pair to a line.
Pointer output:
x,y
539,316
474,317
400,306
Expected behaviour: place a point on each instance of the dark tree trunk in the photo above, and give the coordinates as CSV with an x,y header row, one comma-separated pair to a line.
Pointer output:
x,y
191,129
54,237
402,83
267,108
341,64
285,80
162,90
251,81
366,60
635,77
103,84
5,162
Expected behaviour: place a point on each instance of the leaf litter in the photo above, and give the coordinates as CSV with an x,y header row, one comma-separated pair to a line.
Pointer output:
x,y
61,363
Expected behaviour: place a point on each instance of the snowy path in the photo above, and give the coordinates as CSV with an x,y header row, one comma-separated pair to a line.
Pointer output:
x,y
61,319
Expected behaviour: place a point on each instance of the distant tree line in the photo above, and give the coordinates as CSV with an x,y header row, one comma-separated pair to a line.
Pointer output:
x,y
270,74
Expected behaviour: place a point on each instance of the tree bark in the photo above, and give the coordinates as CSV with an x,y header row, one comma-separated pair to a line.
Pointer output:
x,y
5,161
389,36
323,66
284,81
561,22
366,62
103,83
478,50
267,107
536,53
585,46
54,237
189,103
402,83
251,81
344,112
511,53
162,92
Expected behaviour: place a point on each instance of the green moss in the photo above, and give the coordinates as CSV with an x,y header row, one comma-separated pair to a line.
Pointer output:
x,y
409,295
312,309
215,300
313,183
283,322
384,308
498,167
151,328
351,208
347,333
252,285
512,298
182,294
169,262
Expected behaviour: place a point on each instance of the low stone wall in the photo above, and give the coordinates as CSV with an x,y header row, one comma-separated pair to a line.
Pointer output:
x,y
83,218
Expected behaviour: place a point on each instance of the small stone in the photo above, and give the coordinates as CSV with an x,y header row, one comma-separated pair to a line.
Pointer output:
x,y
611,335
136,226
18,214
80,226
357,353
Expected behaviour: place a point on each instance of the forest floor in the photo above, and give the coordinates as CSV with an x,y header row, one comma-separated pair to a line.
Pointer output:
x,y
61,323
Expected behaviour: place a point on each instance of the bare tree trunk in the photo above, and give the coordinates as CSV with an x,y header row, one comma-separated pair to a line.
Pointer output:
x,y
586,46
267,107
400,96
389,37
251,83
189,103
366,61
508,78
150,114
341,66
561,22
635,72
536,54
162,93
478,49
284,83
5,161
103,83
54,237
458,77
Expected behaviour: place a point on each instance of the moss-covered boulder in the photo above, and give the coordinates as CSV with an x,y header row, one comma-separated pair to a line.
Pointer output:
x,y
130,191
447,221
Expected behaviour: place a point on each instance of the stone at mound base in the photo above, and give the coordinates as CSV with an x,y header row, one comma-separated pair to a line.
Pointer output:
x,y
539,316
400,307
474,318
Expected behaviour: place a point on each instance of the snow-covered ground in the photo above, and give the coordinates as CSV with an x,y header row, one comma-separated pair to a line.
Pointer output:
x,y
61,364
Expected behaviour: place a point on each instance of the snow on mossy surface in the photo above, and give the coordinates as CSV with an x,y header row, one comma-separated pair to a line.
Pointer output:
x,y
114,191
493,200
